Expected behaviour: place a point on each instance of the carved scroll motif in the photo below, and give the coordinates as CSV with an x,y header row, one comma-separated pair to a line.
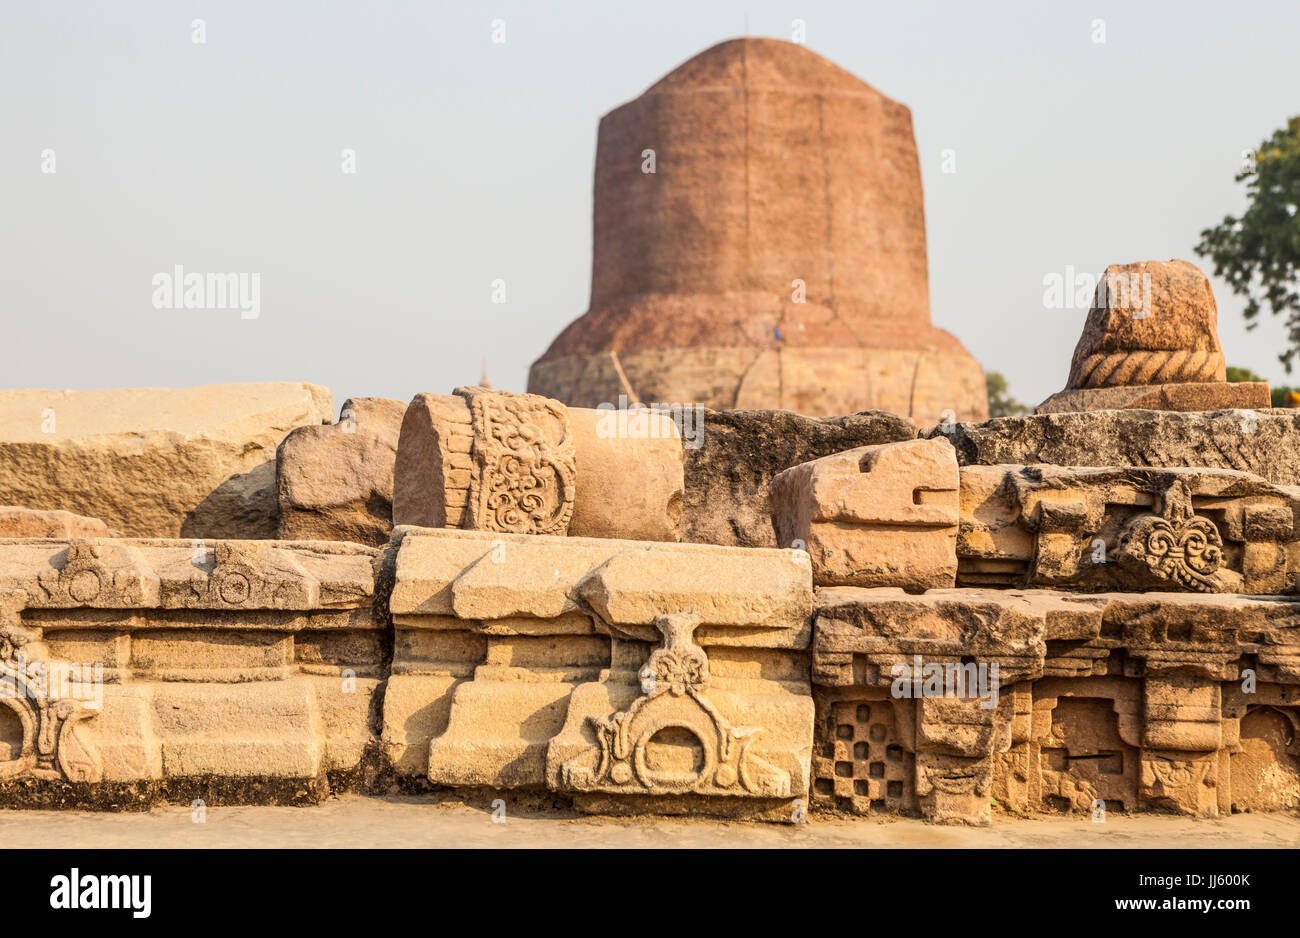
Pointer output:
x,y
49,747
673,683
1175,545
522,478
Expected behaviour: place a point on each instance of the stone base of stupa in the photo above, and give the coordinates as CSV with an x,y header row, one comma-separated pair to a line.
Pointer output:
x,y
925,385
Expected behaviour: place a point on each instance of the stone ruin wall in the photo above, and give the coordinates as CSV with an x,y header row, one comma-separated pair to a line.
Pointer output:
x,y
550,626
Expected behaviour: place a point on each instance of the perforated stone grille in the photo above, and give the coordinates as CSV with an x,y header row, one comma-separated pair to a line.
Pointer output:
x,y
860,765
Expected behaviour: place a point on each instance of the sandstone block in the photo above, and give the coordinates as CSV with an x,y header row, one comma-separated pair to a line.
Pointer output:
x,y
266,729
237,663
1126,528
1151,342
195,462
1070,703
336,482
432,468
674,738
746,597
628,474
588,473
1207,530
512,650
874,516
757,589
517,474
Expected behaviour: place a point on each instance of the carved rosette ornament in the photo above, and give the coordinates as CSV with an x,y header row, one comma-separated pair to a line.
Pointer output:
x,y
246,575
100,574
673,682
47,745
1175,546
522,477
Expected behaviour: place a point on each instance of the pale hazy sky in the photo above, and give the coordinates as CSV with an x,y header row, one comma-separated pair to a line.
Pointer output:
x,y
474,162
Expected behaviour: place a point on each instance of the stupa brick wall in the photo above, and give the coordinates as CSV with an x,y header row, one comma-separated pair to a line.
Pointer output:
x,y
772,165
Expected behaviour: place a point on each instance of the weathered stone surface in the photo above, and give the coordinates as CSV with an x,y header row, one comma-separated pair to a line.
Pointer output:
x,y
1091,529
874,516
716,279
336,482
1150,323
433,466
633,677
723,588
1263,766
149,462
727,477
31,522
628,475
1265,443
43,734
1151,343
1060,703
671,739
478,575
1183,397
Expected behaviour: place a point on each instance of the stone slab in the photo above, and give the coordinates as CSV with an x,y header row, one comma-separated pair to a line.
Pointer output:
x,y
155,462
1178,397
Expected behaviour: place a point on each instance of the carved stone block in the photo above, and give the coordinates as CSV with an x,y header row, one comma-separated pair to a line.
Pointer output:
x,y
1195,530
485,460
715,757
874,516
1100,702
187,655
521,473
39,733
627,675
488,460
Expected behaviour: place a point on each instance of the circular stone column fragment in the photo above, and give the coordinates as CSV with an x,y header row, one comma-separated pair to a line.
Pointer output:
x,y
487,461
519,463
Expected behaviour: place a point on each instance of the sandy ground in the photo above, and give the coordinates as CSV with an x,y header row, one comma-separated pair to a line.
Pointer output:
x,y
408,822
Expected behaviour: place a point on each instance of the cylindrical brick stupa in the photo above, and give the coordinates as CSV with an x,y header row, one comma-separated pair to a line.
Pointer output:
x,y
769,253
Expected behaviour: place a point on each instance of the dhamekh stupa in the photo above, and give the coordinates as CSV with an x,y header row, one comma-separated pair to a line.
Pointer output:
x,y
759,242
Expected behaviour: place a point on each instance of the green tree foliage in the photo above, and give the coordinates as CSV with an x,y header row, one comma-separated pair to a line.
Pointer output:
x,y
1001,404
1258,254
